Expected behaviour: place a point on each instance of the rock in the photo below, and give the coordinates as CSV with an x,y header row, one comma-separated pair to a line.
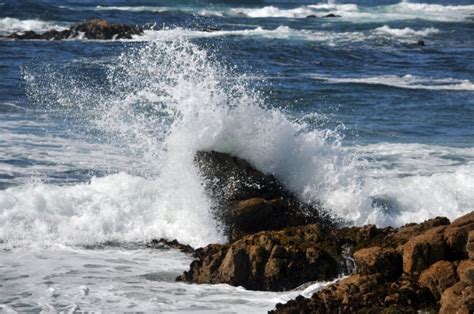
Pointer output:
x,y
331,15
387,262
458,299
93,29
364,294
269,260
312,16
420,43
166,244
425,249
465,272
209,29
248,200
456,235
470,245
438,277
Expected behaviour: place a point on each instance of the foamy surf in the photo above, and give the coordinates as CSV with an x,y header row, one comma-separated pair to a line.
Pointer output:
x,y
281,32
12,25
407,82
354,13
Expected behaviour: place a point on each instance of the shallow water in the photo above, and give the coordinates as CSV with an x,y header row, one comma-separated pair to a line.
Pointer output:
x,y
97,138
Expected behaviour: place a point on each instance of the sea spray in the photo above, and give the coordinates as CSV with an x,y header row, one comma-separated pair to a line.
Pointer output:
x,y
163,102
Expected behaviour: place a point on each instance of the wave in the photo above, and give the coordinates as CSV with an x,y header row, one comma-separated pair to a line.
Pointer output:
x,y
162,102
408,81
281,32
12,25
406,32
354,13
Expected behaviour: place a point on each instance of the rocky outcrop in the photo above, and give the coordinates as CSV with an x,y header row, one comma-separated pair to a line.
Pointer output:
x,y
248,201
435,274
285,259
269,260
93,29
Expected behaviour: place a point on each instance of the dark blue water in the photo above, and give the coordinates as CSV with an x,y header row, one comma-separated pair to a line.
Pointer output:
x,y
97,138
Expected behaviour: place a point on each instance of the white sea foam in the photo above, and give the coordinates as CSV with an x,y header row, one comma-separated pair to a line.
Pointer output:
x,y
133,8
408,81
11,25
171,99
354,13
64,279
406,32
281,32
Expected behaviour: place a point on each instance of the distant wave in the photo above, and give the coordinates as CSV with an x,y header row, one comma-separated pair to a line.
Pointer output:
x,y
133,8
407,81
281,32
347,12
12,25
405,32
354,13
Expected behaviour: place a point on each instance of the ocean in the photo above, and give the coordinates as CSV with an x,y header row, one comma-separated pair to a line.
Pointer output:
x,y
97,138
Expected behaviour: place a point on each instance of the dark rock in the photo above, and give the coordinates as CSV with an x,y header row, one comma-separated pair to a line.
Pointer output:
x,y
174,244
210,29
312,16
420,43
93,29
248,200
331,15
269,260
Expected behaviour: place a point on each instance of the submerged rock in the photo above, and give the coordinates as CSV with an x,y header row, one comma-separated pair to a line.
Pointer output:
x,y
92,29
248,200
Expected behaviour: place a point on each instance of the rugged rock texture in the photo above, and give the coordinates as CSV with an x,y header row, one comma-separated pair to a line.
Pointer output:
x,y
248,201
93,29
285,259
269,260
436,273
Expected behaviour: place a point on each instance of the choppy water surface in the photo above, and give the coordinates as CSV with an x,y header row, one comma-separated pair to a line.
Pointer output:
x,y
97,138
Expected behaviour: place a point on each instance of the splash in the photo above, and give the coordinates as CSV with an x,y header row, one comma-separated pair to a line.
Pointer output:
x,y
161,102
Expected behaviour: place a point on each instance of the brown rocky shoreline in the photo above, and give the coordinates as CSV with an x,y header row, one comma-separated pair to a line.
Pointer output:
x,y
280,244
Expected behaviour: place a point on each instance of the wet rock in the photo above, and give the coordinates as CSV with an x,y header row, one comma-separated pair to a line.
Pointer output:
x,y
438,277
331,15
167,244
210,29
92,29
312,16
269,260
248,200
425,249
387,262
